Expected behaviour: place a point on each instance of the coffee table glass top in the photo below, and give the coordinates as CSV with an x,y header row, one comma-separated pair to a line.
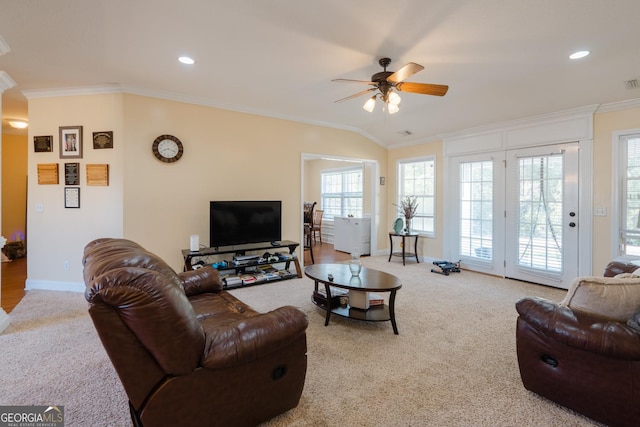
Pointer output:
x,y
368,279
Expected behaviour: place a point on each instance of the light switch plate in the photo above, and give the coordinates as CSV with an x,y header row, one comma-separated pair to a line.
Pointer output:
x,y
600,211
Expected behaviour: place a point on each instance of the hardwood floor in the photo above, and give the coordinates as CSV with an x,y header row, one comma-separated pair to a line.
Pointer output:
x,y
14,276
323,253
14,273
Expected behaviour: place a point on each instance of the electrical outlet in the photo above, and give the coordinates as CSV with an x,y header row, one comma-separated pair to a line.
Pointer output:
x,y
66,264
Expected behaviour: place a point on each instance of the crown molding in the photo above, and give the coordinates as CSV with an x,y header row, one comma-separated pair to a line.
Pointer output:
x,y
72,91
620,105
4,47
170,96
6,82
207,103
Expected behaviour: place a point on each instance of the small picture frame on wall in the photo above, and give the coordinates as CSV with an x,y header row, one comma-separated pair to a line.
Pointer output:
x,y
72,197
43,144
70,142
102,140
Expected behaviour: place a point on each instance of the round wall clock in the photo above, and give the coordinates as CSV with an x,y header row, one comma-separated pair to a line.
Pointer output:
x,y
167,148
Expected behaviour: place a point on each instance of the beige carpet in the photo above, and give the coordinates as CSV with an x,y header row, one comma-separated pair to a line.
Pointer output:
x,y
453,364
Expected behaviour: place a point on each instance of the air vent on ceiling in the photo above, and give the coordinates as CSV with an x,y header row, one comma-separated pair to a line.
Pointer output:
x,y
405,132
632,84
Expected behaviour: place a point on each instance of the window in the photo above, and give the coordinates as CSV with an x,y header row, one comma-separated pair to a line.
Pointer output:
x,y
629,164
416,178
342,192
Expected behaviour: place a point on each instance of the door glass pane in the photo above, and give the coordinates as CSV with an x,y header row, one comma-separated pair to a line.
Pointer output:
x,y
540,213
631,211
476,210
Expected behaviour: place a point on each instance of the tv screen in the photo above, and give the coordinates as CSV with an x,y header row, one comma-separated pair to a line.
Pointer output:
x,y
240,222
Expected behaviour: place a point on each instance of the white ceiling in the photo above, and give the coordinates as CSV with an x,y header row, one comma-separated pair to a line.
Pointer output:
x,y
502,59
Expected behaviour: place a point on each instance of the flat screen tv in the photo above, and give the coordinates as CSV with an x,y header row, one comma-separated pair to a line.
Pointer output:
x,y
239,222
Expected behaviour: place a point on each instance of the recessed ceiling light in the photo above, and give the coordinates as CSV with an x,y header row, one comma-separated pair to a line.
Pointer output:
x,y
579,54
186,60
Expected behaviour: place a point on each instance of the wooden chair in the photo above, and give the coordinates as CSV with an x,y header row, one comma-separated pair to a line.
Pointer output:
x,y
308,212
316,224
307,242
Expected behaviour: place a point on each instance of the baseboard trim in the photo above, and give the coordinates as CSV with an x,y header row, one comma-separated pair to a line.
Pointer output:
x,y
49,285
4,320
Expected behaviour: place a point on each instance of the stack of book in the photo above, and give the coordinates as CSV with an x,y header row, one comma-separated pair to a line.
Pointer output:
x,y
375,300
320,296
253,275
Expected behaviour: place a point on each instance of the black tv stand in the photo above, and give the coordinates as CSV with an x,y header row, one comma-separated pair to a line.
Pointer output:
x,y
241,250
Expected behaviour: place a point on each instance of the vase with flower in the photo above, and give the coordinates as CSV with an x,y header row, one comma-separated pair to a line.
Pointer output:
x,y
408,208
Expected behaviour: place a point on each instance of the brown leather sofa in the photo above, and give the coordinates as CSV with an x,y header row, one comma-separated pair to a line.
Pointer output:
x,y
187,352
588,361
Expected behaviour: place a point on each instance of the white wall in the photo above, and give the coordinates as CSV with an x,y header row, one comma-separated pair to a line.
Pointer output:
x,y
57,235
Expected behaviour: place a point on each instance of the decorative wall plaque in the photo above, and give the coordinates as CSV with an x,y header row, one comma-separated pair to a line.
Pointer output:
x,y
48,173
103,140
98,174
72,174
43,144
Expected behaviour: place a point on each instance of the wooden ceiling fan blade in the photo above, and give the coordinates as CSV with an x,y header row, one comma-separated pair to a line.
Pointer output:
x,y
356,95
423,88
405,72
354,81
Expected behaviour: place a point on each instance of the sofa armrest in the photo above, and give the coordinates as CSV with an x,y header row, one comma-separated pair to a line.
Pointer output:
x,y
616,267
580,330
248,339
202,280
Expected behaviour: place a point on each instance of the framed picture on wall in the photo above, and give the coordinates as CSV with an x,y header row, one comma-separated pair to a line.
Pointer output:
x,y
72,197
70,142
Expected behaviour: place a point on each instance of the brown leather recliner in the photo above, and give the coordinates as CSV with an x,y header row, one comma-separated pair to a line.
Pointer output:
x,y
187,352
585,360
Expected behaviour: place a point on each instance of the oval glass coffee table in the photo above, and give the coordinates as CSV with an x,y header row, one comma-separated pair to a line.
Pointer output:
x,y
369,280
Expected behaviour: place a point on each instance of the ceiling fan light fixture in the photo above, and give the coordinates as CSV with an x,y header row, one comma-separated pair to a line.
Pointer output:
x,y
394,98
370,104
393,108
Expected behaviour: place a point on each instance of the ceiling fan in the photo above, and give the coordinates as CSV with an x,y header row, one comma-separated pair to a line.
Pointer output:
x,y
388,83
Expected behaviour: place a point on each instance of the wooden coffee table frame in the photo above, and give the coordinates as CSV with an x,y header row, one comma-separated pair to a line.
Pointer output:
x,y
369,280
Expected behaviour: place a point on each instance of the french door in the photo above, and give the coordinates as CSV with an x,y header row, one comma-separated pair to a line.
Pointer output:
x,y
542,215
517,213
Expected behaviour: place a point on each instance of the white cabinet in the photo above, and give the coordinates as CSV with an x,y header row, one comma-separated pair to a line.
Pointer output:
x,y
352,234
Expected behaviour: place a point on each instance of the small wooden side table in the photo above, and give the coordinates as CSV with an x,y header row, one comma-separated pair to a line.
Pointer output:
x,y
404,252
